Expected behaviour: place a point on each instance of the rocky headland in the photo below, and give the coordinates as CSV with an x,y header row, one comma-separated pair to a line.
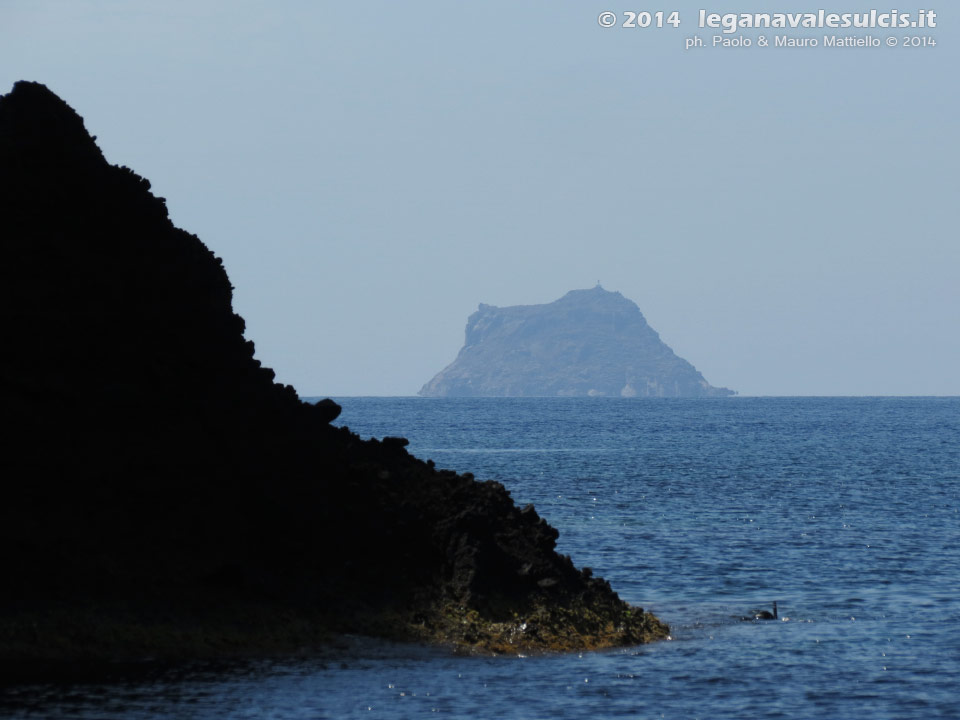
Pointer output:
x,y
587,343
164,497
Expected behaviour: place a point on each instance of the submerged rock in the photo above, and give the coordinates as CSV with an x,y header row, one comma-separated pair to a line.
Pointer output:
x,y
163,496
587,343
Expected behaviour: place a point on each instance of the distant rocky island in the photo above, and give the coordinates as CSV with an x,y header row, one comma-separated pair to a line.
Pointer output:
x,y
164,497
587,343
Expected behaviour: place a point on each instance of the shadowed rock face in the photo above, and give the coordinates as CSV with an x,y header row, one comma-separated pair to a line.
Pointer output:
x,y
162,495
589,342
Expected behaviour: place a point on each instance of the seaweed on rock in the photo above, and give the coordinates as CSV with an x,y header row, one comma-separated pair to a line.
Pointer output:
x,y
162,495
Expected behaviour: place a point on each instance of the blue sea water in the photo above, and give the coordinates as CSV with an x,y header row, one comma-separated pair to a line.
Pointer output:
x,y
844,510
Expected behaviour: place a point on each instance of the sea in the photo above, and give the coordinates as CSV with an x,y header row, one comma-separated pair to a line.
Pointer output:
x,y
845,511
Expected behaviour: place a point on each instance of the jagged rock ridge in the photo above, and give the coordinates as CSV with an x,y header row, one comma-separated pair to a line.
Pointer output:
x,y
163,496
587,343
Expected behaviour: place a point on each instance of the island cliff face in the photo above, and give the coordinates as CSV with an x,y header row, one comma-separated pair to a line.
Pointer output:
x,y
162,496
587,343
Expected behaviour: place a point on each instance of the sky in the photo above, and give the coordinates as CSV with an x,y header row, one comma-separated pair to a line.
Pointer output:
x,y
785,218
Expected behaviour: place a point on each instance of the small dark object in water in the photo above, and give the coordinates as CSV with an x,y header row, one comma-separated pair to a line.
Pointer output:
x,y
763,614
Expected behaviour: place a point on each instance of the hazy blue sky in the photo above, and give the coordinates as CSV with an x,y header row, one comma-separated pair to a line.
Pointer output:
x,y
371,171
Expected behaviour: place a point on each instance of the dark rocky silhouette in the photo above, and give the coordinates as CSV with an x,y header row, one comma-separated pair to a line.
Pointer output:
x,y
163,496
589,342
